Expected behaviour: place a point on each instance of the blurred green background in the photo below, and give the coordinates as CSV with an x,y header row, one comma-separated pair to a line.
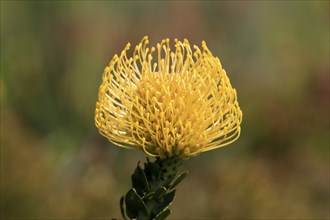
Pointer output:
x,y
55,165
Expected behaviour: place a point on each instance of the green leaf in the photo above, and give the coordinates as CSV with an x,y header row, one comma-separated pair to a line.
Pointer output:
x,y
139,180
134,204
152,170
122,207
166,202
169,198
142,216
151,204
160,193
148,196
178,179
162,215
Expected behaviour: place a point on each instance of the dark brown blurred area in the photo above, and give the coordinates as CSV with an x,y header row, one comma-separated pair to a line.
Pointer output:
x,y
55,165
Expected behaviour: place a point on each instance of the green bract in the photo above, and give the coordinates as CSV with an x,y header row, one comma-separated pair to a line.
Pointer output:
x,y
152,190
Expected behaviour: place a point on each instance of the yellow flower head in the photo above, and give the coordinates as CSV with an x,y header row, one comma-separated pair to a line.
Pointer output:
x,y
179,104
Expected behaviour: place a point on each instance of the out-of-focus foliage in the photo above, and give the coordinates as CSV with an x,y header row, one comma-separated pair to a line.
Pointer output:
x,y
54,164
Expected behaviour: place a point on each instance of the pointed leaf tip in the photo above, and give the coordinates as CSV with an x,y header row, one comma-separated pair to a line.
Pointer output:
x,y
139,180
178,179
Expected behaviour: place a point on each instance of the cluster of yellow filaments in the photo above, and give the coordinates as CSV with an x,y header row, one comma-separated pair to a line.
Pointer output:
x,y
180,104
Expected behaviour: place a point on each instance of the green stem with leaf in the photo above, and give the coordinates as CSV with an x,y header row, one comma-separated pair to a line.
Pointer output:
x,y
152,189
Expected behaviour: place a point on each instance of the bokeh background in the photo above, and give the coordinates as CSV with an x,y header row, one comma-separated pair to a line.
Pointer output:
x,y
55,165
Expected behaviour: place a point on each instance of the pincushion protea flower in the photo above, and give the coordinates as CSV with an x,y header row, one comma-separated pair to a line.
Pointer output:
x,y
179,104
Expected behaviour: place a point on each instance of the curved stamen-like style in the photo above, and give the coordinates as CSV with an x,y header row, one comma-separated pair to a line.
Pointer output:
x,y
180,104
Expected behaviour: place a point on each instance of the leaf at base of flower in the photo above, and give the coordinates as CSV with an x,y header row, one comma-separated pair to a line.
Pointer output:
x,y
152,171
178,179
162,215
135,204
168,198
139,181
148,196
160,193
122,207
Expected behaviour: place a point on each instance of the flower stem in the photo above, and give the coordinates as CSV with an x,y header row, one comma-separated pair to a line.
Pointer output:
x,y
152,189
